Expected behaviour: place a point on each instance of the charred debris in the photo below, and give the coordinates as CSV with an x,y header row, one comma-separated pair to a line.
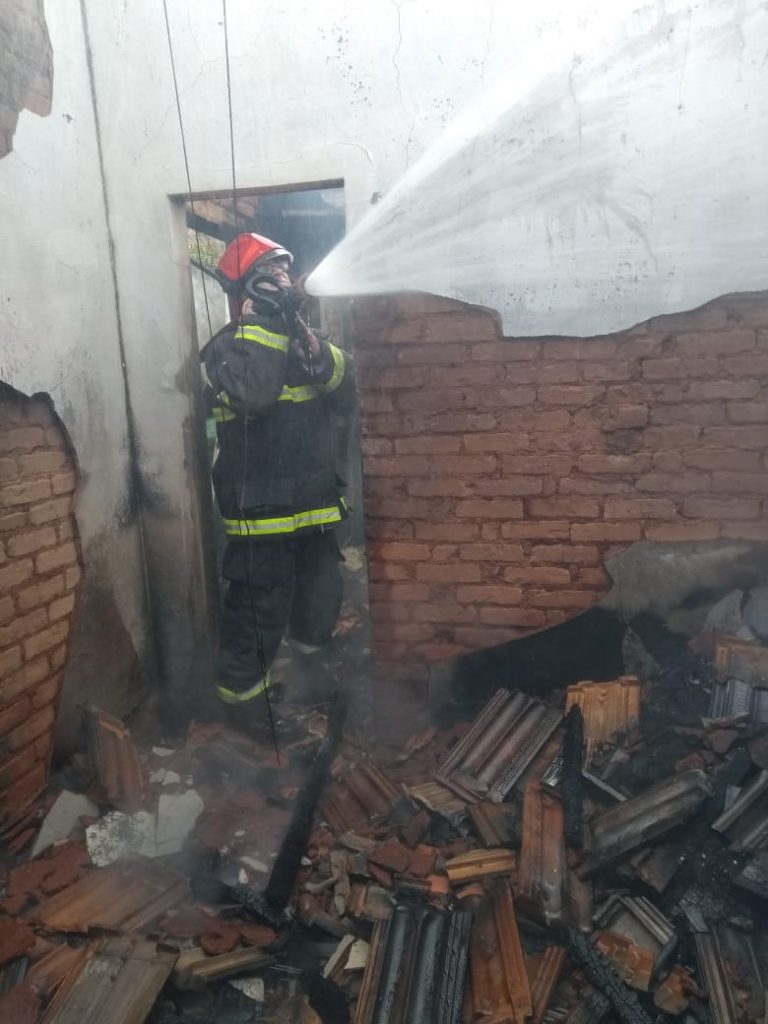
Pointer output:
x,y
600,854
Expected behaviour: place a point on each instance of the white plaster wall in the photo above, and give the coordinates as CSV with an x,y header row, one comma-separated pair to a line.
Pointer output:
x,y
58,335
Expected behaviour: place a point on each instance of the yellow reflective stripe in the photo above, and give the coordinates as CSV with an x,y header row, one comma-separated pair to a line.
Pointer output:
x,y
339,365
235,697
282,524
303,393
260,336
222,415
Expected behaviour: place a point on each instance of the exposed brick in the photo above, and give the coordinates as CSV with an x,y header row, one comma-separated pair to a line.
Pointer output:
x,y
592,576
536,530
561,598
22,792
15,767
61,606
476,636
540,575
700,414
626,417
669,462
448,573
748,412
721,508
33,540
490,508
605,532
24,492
50,511
21,439
563,508
565,553
24,680
745,531
504,351
580,348
400,552
9,470
433,355
607,371
12,716
427,445
402,632
387,571
15,573
9,661
608,484
7,609
445,552
56,557
442,612
398,592
639,508
66,530
466,374
35,725
543,373
626,464
574,397
489,594
527,618
533,465
58,657
42,593
12,521
680,531
732,459
512,486
376,446
393,612
740,483
447,531
682,369
22,626
676,435
439,487
72,577
382,529
498,552
712,390
673,483
739,437
695,345
40,463
46,639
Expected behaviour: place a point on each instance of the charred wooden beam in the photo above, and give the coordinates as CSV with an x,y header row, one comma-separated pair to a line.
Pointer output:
x,y
594,1009
622,829
489,760
602,975
571,786
474,864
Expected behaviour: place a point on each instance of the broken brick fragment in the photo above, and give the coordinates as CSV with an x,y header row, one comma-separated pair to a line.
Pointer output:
x,y
380,875
222,938
422,861
721,740
16,939
390,855
634,964
14,904
257,935
51,873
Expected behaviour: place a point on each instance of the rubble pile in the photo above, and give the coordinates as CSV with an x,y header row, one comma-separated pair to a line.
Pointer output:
x,y
598,854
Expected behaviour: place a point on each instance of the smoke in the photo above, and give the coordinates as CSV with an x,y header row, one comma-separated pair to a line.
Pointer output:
x,y
614,174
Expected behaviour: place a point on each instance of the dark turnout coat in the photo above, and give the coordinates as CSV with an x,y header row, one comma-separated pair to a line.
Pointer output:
x,y
276,469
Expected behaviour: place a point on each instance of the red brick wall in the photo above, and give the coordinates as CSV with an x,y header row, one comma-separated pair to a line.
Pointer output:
x,y
499,473
39,576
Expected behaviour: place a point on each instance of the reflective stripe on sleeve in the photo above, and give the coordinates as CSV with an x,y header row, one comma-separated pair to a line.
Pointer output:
x,y
261,336
339,367
282,524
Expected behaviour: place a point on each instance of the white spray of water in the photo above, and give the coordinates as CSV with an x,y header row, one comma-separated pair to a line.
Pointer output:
x,y
611,177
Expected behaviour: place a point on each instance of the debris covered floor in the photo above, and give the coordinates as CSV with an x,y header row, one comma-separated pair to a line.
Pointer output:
x,y
598,855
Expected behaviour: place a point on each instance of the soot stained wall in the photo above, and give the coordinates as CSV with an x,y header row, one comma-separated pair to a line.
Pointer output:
x,y
501,472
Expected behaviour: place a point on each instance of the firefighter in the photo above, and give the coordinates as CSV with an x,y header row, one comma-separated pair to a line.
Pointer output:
x,y
279,389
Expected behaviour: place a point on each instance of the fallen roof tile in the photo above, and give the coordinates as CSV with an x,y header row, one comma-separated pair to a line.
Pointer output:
x,y
740,659
643,818
480,864
745,823
361,793
114,758
123,897
607,708
505,737
542,854
544,974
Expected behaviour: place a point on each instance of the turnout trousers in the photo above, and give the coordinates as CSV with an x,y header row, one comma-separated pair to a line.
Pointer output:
x,y
274,586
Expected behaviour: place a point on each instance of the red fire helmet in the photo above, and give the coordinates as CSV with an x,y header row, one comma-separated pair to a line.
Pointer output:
x,y
243,253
